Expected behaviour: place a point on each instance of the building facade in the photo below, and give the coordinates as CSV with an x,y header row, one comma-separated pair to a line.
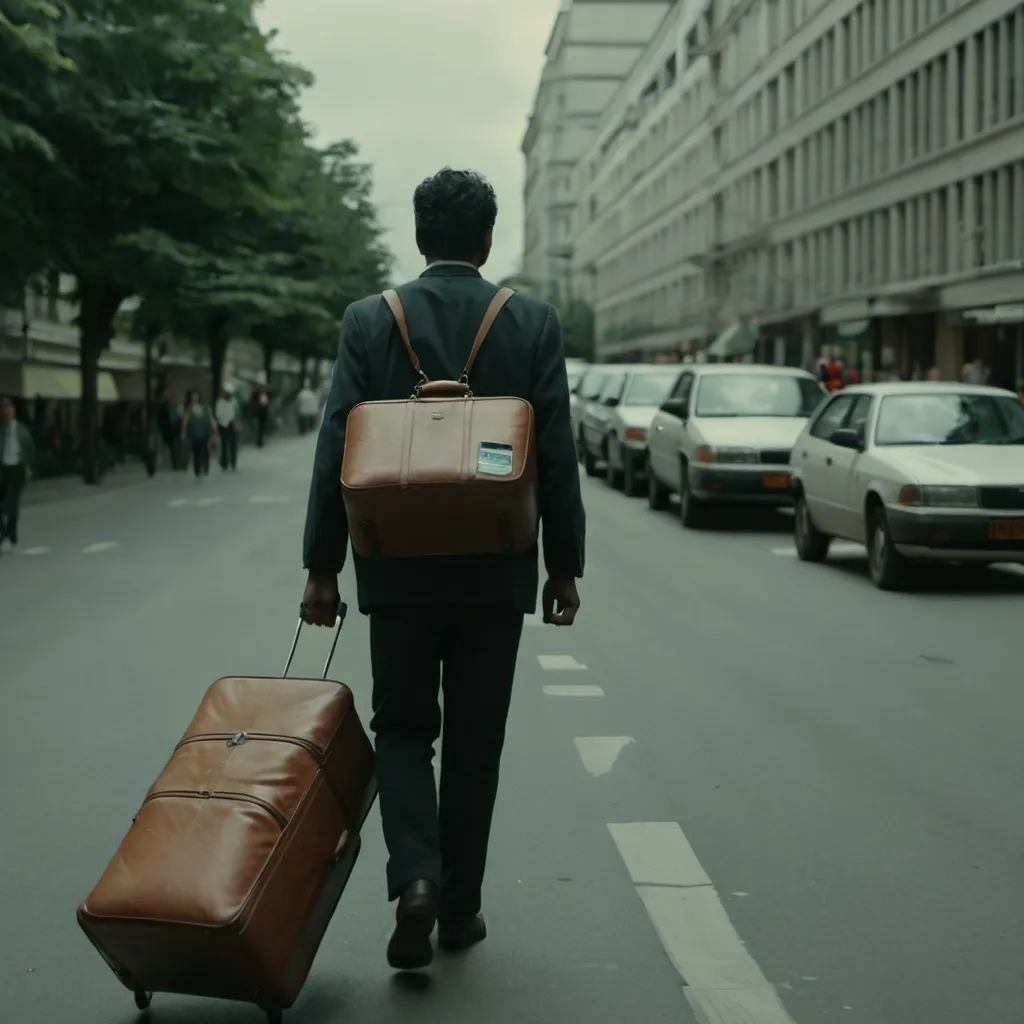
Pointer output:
x,y
592,47
838,172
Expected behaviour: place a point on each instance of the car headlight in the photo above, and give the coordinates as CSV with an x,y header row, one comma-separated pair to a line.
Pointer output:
x,y
939,496
728,456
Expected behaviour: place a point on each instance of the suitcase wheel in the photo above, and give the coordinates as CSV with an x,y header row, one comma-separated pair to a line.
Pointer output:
x,y
143,999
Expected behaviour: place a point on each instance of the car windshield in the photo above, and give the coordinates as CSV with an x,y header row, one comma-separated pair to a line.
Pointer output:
x,y
957,418
592,384
649,388
757,394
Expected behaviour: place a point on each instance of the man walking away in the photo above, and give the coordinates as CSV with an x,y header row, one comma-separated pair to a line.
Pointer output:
x,y
228,415
308,407
197,427
167,423
452,623
17,451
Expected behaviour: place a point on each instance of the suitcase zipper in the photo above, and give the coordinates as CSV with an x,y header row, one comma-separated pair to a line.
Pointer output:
x,y
204,794
238,739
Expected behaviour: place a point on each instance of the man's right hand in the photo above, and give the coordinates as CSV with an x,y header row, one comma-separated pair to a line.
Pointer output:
x,y
320,600
560,602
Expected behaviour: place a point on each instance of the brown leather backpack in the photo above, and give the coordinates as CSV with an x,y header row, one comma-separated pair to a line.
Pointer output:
x,y
441,472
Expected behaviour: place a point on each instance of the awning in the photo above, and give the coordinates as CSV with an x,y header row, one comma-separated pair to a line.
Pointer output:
x,y
737,339
62,382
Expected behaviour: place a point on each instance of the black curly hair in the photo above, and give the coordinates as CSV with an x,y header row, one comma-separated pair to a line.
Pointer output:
x,y
454,210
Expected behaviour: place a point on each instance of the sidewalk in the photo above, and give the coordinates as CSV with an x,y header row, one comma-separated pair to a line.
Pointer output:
x,y
53,490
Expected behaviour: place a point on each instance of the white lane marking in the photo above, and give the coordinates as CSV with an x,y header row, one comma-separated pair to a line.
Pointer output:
x,y
722,982
1003,566
269,499
536,619
206,502
599,753
103,545
657,853
840,548
573,691
560,663
177,502
36,551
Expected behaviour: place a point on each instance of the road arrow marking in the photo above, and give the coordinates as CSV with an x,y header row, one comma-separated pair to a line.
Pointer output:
x,y
599,753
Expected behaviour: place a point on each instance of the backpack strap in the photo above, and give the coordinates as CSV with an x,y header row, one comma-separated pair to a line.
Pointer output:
x,y
497,304
398,312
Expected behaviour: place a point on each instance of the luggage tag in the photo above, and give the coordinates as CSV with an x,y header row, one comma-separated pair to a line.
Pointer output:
x,y
494,459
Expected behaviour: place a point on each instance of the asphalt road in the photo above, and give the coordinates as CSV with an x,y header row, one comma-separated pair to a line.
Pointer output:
x,y
781,795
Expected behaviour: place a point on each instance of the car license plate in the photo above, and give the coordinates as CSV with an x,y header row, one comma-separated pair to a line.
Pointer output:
x,y
775,481
1006,529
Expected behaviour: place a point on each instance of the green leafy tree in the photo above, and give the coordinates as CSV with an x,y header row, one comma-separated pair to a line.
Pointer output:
x,y
173,124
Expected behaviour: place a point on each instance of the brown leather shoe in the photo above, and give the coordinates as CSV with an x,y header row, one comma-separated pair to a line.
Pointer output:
x,y
455,936
410,948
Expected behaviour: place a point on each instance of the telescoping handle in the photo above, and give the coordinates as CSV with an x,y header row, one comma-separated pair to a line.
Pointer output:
x,y
340,621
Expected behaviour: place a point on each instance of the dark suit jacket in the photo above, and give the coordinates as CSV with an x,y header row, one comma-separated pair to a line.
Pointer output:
x,y
521,357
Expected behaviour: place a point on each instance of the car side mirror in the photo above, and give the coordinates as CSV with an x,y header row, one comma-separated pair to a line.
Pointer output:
x,y
677,407
847,437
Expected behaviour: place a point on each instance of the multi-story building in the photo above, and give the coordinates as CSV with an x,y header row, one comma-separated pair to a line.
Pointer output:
x,y
836,171
592,47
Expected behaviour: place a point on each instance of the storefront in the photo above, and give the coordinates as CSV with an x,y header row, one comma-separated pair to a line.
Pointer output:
x,y
995,335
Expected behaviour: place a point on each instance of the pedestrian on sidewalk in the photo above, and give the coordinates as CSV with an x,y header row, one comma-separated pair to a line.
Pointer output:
x,y
17,453
308,408
261,413
228,417
452,623
199,430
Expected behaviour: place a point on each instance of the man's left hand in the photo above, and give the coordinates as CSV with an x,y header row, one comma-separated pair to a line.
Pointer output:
x,y
320,600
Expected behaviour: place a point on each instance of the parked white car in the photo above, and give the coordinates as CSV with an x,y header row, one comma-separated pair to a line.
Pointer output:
x,y
914,471
597,412
623,448
725,434
587,389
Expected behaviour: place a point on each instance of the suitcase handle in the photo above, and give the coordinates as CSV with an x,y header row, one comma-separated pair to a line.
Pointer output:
x,y
339,622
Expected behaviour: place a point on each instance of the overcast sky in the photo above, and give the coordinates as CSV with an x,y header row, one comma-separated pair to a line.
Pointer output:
x,y
419,84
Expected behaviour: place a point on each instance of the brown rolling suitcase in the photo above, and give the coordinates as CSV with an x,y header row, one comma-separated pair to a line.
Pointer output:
x,y
228,877
442,472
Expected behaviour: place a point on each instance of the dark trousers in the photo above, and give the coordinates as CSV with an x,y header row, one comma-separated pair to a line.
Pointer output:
x,y
12,480
261,428
228,447
200,455
469,653
173,442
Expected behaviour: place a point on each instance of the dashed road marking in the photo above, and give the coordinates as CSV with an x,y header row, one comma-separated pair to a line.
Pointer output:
x,y
722,982
599,753
536,619
842,549
269,499
36,551
1004,566
206,502
573,691
178,502
103,545
560,663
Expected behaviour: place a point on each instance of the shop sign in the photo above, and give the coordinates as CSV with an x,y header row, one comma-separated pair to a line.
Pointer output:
x,y
852,328
995,314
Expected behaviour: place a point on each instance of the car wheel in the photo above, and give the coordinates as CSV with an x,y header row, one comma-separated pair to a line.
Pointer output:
x,y
692,511
889,569
589,463
613,477
630,487
811,544
657,493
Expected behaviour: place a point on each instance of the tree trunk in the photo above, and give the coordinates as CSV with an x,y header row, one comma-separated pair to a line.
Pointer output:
x,y
98,305
268,360
217,339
